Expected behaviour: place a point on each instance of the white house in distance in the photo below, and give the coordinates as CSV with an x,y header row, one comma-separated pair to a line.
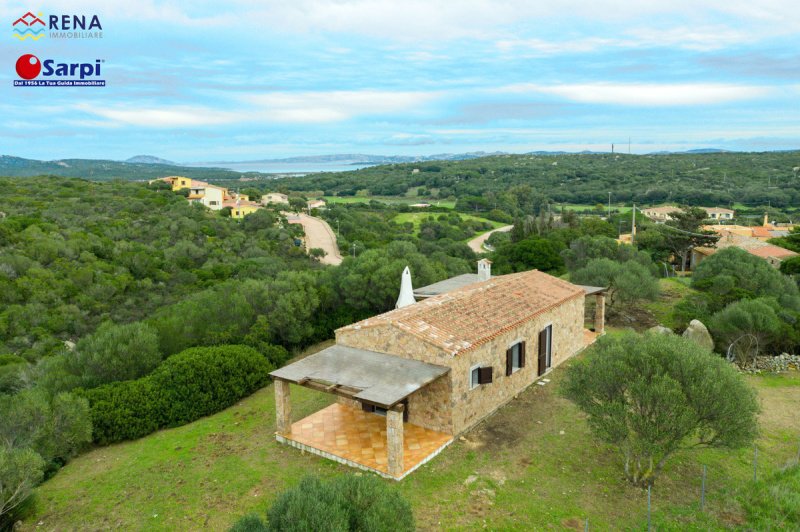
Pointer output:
x,y
316,204
211,196
274,197
718,213
663,214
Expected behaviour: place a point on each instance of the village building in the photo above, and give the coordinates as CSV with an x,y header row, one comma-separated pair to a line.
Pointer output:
x,y
660,214
316,204
411,380
664,213
274,197
211,196
775,255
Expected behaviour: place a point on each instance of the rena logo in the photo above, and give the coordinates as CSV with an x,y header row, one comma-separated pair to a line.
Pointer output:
x,y
30,67
33,26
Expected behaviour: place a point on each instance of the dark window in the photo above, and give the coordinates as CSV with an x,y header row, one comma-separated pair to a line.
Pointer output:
x,y
515,358
545,349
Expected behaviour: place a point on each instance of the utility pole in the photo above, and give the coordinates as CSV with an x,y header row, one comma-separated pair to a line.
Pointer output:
x,y
633,223
609,205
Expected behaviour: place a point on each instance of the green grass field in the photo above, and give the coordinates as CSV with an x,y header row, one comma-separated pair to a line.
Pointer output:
x,y
672,290
416,218
448,204
532,465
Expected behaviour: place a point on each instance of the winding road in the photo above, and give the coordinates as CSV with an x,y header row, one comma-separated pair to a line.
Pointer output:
x,y
318,235
476,244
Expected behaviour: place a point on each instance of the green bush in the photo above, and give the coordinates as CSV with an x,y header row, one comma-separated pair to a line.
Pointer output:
x,y
192,384
347,503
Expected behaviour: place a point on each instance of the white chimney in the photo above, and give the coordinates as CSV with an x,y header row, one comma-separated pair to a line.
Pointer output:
x,y
406,297
484,269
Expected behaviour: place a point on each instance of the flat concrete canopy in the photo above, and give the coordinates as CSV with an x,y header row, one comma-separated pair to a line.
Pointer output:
x,y
448,285
590,290
375,378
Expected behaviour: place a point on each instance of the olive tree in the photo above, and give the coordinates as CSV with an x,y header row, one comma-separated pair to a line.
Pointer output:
x,y
627,282
652,395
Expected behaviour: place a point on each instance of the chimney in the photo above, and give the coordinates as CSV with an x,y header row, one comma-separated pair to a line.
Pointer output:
x,y
406,297
484,269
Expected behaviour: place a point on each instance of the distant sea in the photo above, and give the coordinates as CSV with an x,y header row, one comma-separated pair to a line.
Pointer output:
x,y
285,168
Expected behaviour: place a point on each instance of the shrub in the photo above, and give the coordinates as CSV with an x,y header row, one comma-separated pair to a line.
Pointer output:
x,y
20,471
115,353
652,395
347,503
754,317
194,383
732,274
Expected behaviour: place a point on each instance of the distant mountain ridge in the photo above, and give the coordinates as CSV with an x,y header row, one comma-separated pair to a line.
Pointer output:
x,y
148,159
361,158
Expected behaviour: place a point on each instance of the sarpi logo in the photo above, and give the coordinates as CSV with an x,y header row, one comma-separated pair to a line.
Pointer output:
x,y
31,26
29,68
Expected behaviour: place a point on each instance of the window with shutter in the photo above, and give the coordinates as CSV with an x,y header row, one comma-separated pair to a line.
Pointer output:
x,y
474,377
515,358
485,375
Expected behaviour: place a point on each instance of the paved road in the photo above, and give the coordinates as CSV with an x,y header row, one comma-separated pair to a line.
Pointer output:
x,y
476,244
319,235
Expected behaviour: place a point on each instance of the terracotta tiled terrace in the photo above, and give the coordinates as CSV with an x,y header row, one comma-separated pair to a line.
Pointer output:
x,y
357,438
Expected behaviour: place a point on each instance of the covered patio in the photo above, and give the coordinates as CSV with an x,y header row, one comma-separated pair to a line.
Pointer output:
x,y
366,428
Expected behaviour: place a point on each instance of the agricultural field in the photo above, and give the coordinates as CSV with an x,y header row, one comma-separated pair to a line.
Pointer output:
x,y
417,218
526,467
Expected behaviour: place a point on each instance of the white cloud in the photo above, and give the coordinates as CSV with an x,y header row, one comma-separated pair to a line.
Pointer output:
x,y
272,107
643,94
331,106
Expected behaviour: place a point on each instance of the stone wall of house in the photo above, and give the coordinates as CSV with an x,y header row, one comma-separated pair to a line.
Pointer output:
x,y
448,404
432,406
470,406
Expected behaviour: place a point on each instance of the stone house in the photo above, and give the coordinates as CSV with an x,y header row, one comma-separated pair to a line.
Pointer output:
x,y
467,347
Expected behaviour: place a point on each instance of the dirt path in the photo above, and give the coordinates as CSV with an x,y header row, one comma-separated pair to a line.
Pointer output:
x,y
319,235
476,244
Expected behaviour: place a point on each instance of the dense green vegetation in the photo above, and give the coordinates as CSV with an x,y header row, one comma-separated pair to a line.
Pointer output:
x,y
483,184
100,283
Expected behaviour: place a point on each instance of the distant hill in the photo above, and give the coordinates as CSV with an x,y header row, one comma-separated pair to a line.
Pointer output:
x,y
104,170
148,159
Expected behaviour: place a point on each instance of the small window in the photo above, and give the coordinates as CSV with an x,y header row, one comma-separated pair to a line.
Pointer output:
x,y
515,358
479,375
474,377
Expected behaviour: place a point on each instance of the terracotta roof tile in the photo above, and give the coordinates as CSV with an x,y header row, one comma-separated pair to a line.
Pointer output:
x,y
465,318
771,251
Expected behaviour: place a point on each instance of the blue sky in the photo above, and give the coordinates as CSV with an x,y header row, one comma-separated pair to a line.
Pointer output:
x,y
237,80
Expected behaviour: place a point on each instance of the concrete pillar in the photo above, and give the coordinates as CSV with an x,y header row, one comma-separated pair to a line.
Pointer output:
x,y
600,313
283,408
394,440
